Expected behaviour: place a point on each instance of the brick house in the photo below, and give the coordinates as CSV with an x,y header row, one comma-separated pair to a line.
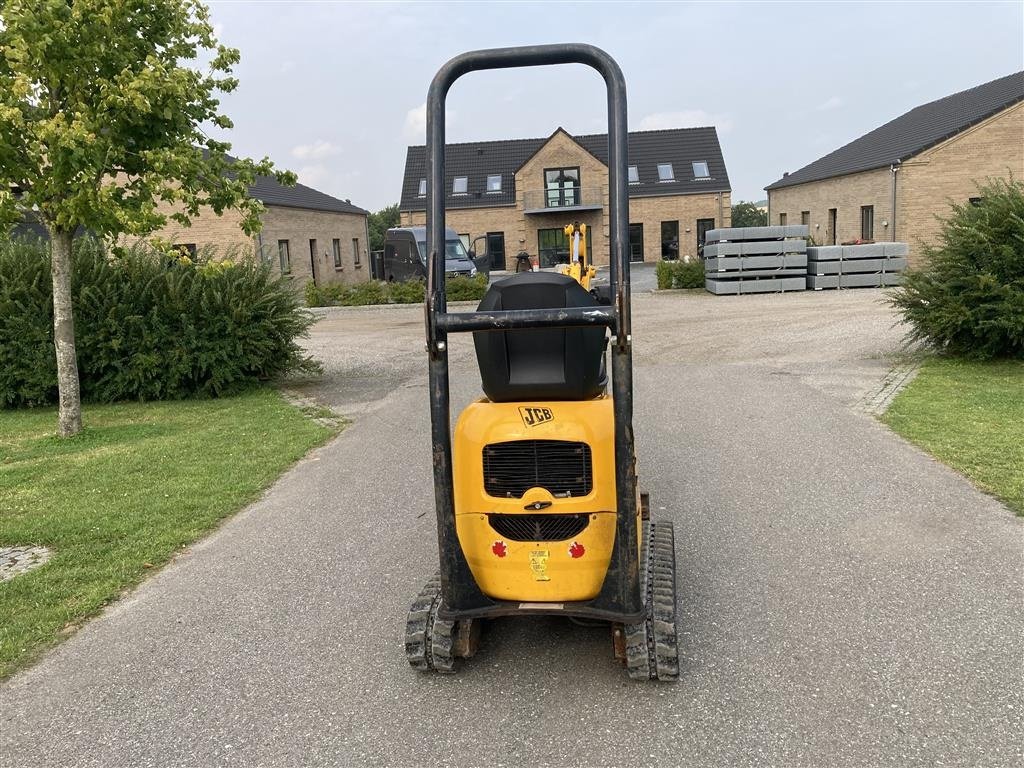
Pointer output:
x,y
890,183
306,233
520,193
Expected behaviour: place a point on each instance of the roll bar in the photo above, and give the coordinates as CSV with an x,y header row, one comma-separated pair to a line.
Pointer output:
x,y
620,597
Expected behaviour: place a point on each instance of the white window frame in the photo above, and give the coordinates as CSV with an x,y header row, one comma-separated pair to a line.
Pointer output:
x,y
661,174
422,189
492,189
703,164
633,174
465,185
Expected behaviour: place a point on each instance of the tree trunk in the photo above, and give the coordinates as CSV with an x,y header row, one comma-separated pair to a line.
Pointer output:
x,y
69,415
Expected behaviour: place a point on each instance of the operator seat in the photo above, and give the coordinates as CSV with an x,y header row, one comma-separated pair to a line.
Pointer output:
x,y
540,363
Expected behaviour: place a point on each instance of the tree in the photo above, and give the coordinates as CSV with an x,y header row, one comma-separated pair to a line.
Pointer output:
x,y
748,215
102,109
380,222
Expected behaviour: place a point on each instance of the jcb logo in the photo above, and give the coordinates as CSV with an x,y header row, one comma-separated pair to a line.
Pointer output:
x,y
534,416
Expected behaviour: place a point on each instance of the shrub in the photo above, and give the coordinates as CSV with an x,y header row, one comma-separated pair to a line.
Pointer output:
x,y
376,292
680,274
147,327
968,298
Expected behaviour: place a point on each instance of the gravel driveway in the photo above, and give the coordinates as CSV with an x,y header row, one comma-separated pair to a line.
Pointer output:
x,y
844,599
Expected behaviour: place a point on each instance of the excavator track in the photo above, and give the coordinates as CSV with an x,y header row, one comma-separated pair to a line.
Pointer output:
x,y
428,639
652,651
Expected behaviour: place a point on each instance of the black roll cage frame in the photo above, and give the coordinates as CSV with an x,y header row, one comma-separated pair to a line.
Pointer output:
x,y
620,598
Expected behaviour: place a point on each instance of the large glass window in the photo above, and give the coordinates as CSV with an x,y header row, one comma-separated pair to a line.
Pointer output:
x,y
670,240
562,187
552,247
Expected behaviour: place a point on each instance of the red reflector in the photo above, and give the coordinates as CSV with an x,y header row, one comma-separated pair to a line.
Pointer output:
x,y
576,550
499,548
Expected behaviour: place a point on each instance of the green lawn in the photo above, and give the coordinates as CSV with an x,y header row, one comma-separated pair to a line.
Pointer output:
x,y
970,416
141,481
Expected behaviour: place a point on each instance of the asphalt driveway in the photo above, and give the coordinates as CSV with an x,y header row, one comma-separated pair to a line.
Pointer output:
x,y
845,600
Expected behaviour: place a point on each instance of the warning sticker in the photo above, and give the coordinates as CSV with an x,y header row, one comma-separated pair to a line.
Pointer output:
x,y
539,564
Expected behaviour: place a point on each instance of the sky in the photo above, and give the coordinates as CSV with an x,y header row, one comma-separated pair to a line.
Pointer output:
x,y
335,91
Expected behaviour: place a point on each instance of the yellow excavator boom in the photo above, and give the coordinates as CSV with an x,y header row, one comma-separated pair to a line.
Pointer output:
x,y
579,267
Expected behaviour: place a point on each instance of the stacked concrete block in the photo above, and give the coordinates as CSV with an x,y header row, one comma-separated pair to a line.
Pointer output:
x,y
756,259
874,265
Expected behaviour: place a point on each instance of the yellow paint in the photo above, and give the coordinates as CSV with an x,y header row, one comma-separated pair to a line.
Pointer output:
x,y
579,267
516,575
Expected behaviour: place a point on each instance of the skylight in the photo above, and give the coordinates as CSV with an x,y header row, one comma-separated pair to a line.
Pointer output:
x,y
460,185
665,172
634,175
700,170
423,188
494,183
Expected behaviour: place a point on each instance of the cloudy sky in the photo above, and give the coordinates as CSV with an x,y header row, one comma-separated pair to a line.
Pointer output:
x,y
335,90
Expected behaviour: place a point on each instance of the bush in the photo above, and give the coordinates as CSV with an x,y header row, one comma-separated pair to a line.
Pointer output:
x,y
680,274
968,298
147,326
376,292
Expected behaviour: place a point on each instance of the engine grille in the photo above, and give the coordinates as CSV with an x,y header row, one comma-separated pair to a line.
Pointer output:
x,y
562,468
538,527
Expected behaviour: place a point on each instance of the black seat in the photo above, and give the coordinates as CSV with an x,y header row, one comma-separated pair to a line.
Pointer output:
x,y
542,363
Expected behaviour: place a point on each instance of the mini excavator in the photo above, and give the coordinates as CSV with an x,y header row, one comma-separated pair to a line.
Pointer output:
x,y
538,508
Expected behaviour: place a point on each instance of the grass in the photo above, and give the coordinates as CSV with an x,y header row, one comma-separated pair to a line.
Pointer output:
x,y
969,415
142,481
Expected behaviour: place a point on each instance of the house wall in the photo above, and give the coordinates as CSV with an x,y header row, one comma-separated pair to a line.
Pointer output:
x,y
521,229
299,226
926,184
950,171
844,193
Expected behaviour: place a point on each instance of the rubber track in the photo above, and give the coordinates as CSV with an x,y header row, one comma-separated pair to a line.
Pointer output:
x,y
652,649
428,639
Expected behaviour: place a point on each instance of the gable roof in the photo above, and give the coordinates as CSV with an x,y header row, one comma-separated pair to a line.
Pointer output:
x,y
270,192
480,159
910,134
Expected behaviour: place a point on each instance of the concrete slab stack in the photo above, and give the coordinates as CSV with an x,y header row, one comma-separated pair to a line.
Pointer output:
x,y
873,265
756,259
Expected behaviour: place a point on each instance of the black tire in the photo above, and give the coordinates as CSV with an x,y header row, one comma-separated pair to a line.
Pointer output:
x,y
428,639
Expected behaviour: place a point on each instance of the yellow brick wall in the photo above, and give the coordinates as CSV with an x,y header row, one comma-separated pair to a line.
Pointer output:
x,y
222,233
948,172
299,226
846,194
561,151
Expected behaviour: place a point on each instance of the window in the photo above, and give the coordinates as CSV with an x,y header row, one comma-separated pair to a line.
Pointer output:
x,y
665,172
460,185
867,222
495,248
355,252
465,241
336,247
186,249
782,219
670,240
494,183
805,217
636,242
703,227
700,170
284,256
423,188
561,187
634,175
833,223
552,247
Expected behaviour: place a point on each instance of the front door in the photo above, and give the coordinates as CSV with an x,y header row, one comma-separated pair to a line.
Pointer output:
x,y
703,226
496,249
636,242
